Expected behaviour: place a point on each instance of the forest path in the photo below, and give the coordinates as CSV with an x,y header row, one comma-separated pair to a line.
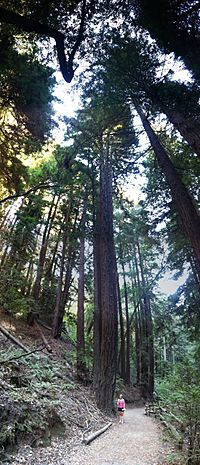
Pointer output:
x,y
137,442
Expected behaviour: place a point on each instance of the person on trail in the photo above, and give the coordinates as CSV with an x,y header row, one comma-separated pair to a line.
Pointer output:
x,y
121,409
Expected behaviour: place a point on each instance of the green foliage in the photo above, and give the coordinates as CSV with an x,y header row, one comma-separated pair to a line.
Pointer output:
x,y
174,25
26,88
12,298
29,405
186,302
180,393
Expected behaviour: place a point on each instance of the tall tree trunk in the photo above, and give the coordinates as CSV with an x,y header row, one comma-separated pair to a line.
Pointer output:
x,y
6,252
188,128
140,341
107,292
149,342
184,204
97,303
6,215
25,288
56,318
64,296
49,275
187,125
122,352
29,278
43,250
137,323
195,269
68,254
81,297
128,375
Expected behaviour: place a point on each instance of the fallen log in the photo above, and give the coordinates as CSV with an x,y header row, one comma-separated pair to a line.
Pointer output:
x,y
96,434
48,347
12,338
41,323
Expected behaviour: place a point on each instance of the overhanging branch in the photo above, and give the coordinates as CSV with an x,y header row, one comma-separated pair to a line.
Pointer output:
x,y
30,25
26,193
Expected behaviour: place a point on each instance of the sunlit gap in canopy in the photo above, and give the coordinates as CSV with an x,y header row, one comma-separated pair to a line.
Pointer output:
x,y
67,102
168,284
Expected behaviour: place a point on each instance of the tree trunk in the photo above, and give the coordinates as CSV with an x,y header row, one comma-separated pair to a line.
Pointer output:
x,y
149,342
81,297
62,293
29,278
106,292
6,251
185,207
122,352
56,318
43,250
4,221
188,128
128,376
140,340
50,273
97,304
64,296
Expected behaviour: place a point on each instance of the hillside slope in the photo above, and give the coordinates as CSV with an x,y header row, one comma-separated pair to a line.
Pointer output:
x,y
41,398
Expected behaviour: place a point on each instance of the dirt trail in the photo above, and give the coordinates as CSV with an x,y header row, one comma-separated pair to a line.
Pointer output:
x,y
137,442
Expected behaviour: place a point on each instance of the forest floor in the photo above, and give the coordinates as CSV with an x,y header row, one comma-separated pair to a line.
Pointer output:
x,y
45,413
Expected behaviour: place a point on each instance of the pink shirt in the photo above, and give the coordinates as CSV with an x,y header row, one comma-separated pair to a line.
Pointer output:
x,y
121,403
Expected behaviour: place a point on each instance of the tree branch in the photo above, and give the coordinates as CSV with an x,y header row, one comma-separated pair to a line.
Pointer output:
x,y
2,362
80,33
26,193
12,338
30,25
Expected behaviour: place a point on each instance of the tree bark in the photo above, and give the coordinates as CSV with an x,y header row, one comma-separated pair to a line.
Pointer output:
x,y
50,273
184,204
140,349
56,318
128,375
107,292
149,340
188,128
97,306
122,352
81,297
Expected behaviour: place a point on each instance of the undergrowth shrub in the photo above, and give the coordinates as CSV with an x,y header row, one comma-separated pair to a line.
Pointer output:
x,y
180,393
